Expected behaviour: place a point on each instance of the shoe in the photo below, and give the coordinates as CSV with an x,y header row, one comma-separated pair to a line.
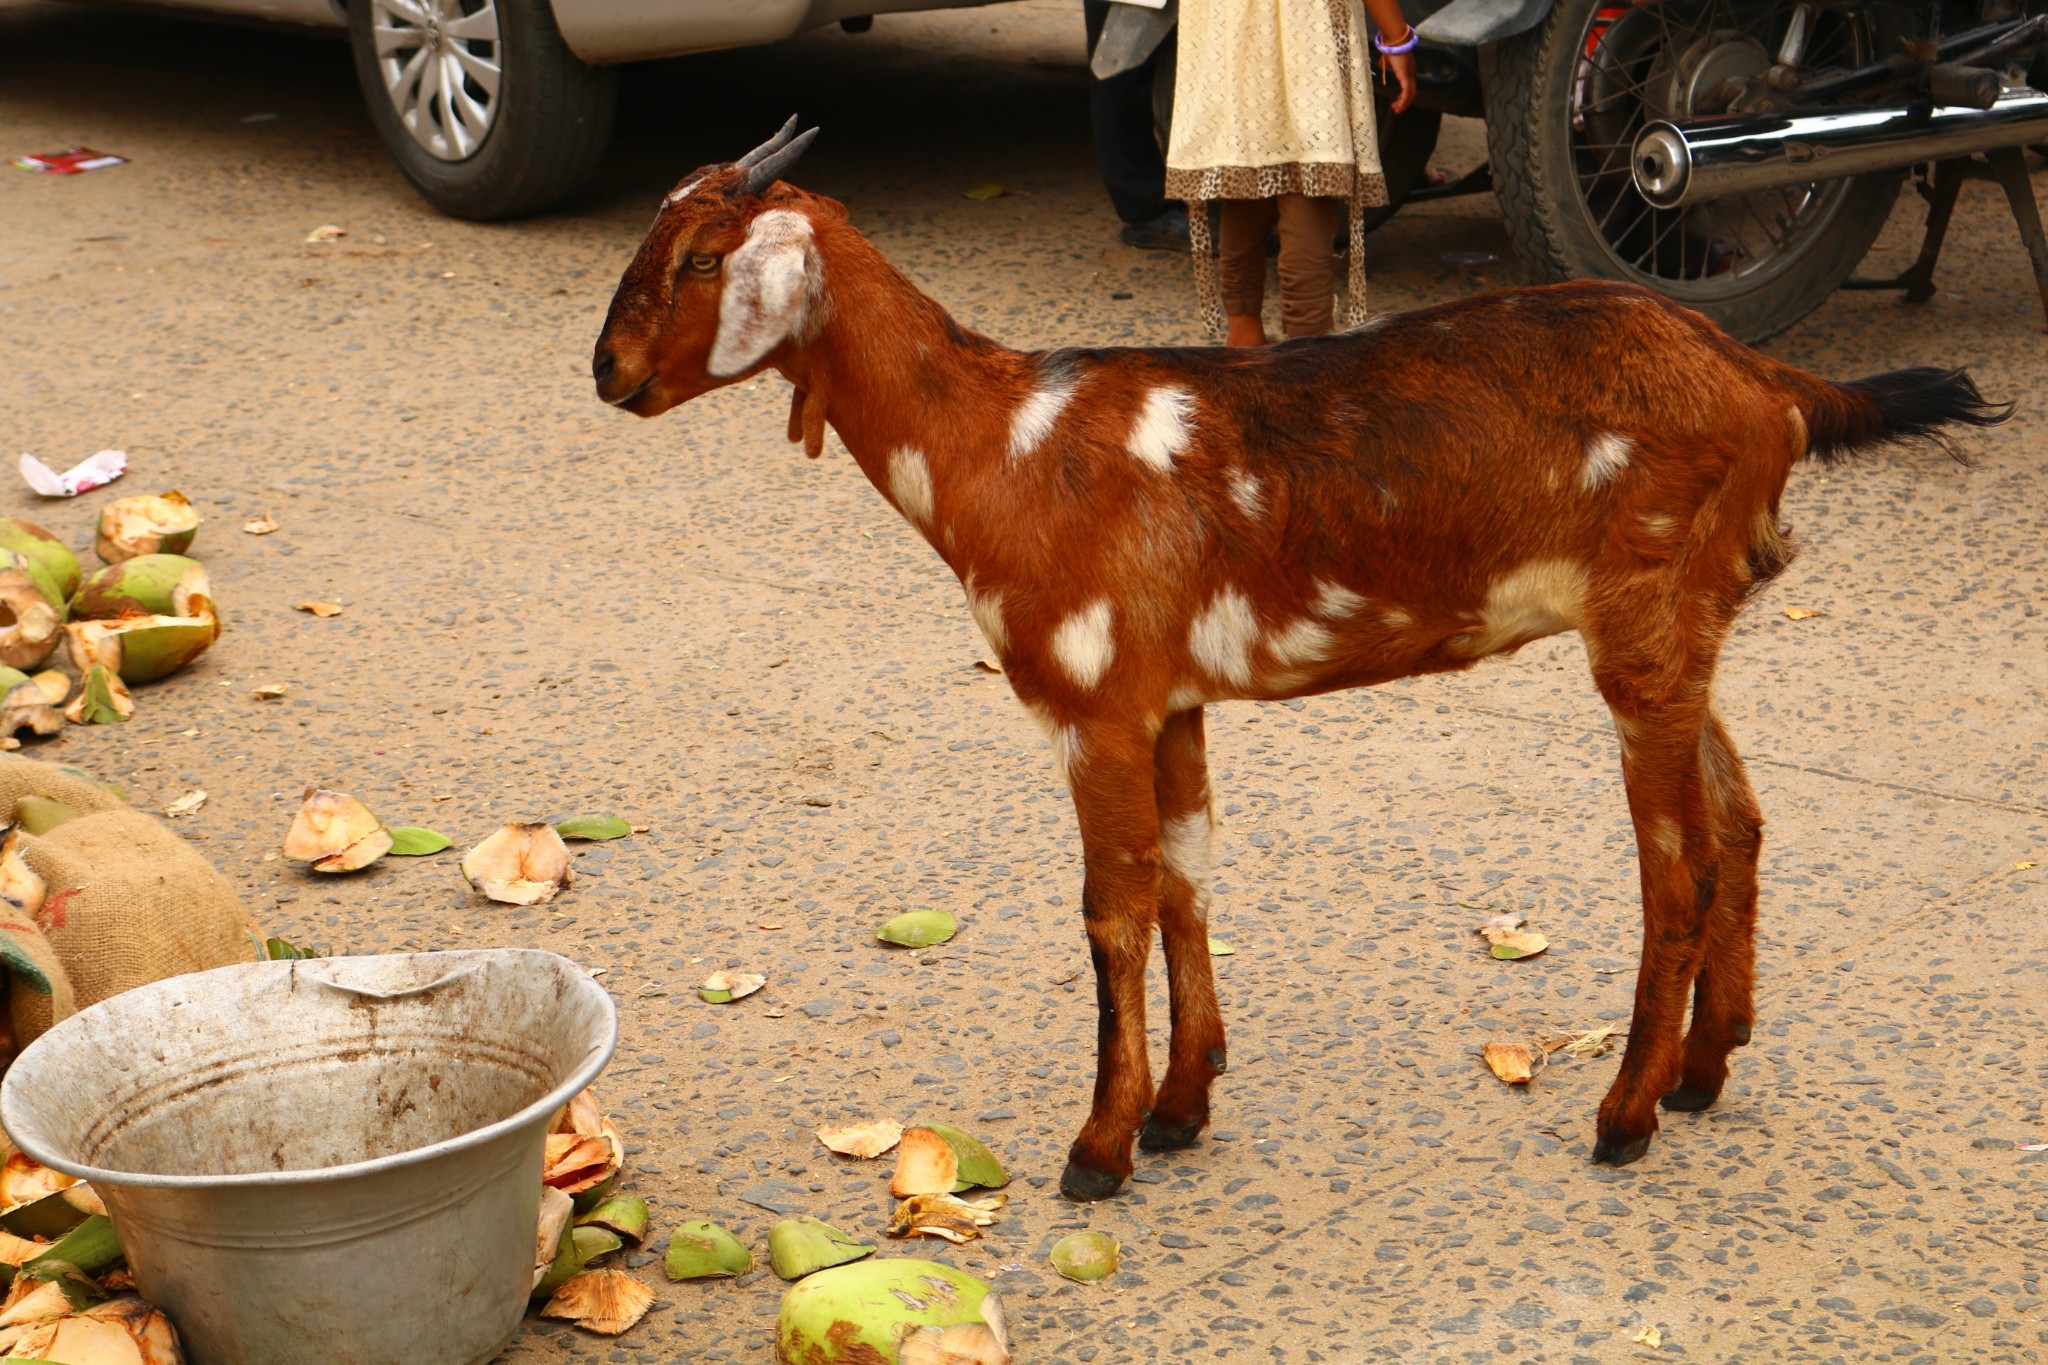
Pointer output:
x,y
1167,232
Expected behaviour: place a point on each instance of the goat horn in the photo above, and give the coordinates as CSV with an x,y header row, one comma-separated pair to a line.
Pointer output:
x,y
768,169
773,144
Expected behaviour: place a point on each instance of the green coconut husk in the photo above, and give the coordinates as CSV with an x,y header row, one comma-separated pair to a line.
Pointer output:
x,y
147,585
978,1165
703,1251
146,525
102,699
49,555
577,1250
39,814
25,706
800,1246
141,648
869,1312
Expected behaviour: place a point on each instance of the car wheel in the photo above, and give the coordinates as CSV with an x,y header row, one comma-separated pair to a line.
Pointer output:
x,y
487,113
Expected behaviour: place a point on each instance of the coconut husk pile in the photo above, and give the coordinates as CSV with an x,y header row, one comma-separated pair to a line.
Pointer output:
x,y
97,898
69,1295
583,1219
147,614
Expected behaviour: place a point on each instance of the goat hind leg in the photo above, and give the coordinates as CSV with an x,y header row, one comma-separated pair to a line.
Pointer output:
x,y
1110,771
1181,791
1723,1003
1661,766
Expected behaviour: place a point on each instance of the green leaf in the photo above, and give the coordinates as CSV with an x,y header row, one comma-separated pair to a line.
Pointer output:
x,y
594,827
984,193
282,950
1218,948
410,841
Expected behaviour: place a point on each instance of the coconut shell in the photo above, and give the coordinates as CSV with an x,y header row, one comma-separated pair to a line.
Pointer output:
x,y
49,554
147,585
154,647
31,619
925,1164
25,706
162,524
102,699
123,1331
603,1301
519,865
859,1314
703,1251
335,833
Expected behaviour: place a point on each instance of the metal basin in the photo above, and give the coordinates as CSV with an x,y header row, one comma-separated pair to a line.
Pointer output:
x,y
335,1160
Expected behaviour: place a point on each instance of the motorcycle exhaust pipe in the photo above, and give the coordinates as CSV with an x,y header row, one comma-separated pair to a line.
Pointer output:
x,y
1676,164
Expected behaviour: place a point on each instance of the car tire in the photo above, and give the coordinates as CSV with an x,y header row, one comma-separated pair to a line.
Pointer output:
x,y
545,125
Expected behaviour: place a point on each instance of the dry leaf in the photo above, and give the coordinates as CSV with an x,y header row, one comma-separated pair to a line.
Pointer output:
x,y
269,691
1802,613
770,927
988,665
262,526
2022,865
945,1215
864,1140
1650,1336
1509,1061
1591,1043
320,608
186,804
327,232
603,1301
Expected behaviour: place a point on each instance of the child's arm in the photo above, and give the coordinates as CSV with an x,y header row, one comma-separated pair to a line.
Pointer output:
x,y
1393,28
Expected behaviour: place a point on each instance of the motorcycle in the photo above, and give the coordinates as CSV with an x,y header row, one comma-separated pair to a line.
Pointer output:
x,y
1738,156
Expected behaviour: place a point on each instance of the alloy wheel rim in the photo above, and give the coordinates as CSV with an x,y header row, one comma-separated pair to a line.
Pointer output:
x,y
440,63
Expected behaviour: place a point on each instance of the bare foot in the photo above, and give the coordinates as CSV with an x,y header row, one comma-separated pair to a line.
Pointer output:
x,y
1245,330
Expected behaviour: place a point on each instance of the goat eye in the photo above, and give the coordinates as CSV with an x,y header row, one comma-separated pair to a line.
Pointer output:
x,y
702,263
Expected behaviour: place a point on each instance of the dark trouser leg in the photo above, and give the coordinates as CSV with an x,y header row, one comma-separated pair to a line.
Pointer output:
x,y
1120,109
1308,264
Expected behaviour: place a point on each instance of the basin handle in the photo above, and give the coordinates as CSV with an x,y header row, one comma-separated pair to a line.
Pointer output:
x,y
370,993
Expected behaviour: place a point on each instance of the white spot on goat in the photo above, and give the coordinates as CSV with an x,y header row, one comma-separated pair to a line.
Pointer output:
x,y
1035,418
771,292
1185,697
1302,642
1184,846
1083,644
1606,456
1221,637
1542,597
987,610
1247,492
1334,600
682,191
910,484
1160,431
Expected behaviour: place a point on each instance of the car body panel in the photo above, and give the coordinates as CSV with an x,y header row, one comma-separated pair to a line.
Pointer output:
x,y
605,31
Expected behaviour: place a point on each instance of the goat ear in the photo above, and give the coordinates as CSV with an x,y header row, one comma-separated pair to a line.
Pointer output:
x,y
770,286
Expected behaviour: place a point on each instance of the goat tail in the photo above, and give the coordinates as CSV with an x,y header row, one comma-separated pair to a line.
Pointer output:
x,y
1843,420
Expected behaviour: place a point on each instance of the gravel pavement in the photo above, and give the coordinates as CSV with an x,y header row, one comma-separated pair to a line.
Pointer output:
x,y
554,609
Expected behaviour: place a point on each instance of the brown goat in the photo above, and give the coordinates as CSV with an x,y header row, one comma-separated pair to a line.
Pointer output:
x,y
1143,531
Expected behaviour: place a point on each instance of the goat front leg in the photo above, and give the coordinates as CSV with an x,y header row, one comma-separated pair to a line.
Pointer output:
x,y
1110,771
1723,1001
1675,851
1180,779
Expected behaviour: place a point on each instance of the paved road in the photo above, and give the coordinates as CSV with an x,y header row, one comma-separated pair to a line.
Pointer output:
x,y
554,609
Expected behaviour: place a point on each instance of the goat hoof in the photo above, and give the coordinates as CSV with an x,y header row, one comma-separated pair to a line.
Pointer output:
x,y
1163,1135
1086,1184
1688,1099
1617,1151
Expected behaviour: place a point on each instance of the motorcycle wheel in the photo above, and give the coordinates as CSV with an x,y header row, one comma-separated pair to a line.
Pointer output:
x,y
1564,104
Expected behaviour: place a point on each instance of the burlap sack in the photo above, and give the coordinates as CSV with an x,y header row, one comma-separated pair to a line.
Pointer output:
x,y
128,903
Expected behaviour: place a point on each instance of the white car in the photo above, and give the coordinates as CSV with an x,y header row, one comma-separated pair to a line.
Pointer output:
x,y
497,108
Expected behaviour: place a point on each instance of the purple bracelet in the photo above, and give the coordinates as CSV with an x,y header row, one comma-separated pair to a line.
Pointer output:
x,y
1413,41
